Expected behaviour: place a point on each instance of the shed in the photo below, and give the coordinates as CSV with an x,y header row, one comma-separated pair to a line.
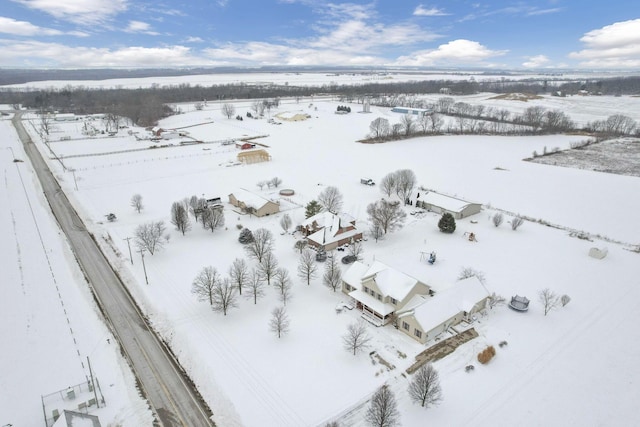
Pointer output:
x,y
253,156
439,203
252,203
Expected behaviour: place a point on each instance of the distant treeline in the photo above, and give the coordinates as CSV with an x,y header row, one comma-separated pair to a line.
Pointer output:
x,y
146,106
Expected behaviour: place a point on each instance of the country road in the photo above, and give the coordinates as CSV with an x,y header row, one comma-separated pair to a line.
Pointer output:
x,y
167,388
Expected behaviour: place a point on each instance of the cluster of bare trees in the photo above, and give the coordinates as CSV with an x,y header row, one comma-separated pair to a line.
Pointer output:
x,y
273,182
401,182
615,125
211,217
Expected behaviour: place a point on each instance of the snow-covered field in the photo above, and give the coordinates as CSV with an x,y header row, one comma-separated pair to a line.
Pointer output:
x,y
576,366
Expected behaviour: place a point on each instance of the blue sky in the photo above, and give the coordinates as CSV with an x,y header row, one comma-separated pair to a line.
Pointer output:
x,y
548,34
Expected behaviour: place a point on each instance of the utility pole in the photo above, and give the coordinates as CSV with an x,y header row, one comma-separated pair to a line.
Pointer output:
x,y
93,384
128,239
73,171
141,251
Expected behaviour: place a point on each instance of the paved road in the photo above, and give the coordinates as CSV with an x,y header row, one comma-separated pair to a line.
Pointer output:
x,y
166,387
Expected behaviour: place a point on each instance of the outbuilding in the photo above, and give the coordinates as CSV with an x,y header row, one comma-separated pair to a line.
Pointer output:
x,y
439,203
252,203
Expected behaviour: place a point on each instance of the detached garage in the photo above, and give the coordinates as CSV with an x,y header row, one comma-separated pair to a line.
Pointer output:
x,y
439,203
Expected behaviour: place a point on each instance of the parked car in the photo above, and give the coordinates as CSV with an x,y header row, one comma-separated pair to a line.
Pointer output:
x,y
367,181
349,259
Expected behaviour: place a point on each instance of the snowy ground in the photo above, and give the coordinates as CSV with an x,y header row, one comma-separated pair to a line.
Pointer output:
x,y
577,357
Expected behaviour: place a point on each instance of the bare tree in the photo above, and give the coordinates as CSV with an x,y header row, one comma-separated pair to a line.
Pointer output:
x,y
212,218
307,268
387,215
436,122
332,277
239,274
405,183
45,124
425,386
357,337
281,278
379,128
262,244
180,217
279,323
136,202
285,293
149,236
255,285
196,206
383,411
388,184
356,249
268,267
495,300
497,219
228,110
564,300
548,299
261,184
376,231
204,284
516,222
300,245
331,199
224,296
275,181
467,272
408,124
258,107
285,222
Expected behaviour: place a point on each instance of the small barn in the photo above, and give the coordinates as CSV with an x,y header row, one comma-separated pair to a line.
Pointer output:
x,y
244,145
252,203
253,156
439,203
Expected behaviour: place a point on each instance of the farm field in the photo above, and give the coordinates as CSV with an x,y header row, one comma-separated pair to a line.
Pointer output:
x,y
249,377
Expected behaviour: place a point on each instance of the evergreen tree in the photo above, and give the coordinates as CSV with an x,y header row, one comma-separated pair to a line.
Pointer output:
x,y
312,208
246,236
447,223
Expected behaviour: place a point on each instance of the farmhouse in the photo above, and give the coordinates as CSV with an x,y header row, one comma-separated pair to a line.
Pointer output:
x,y
379,290
415,111
252,203
253,156
423,318
328,231
440,203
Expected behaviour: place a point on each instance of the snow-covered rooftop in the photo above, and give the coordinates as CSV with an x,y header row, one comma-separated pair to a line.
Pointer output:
x,y
390,281
449,203
251,199
462,296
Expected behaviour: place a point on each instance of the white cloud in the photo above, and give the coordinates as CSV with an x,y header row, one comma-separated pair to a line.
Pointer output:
x,y
33,53
84,12
456,52
193,39
433,11
613,46
535,61
140,27
23,28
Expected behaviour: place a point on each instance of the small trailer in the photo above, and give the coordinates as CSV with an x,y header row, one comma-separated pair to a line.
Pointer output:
x,y
367,181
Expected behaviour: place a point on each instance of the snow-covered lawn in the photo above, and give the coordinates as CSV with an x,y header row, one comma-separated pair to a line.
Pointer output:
x,y
573,367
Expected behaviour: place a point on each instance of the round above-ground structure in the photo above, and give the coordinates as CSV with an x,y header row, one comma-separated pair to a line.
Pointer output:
x,y
519,303
287,192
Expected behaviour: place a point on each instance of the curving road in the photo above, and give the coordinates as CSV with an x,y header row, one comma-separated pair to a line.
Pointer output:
x,y
163,382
